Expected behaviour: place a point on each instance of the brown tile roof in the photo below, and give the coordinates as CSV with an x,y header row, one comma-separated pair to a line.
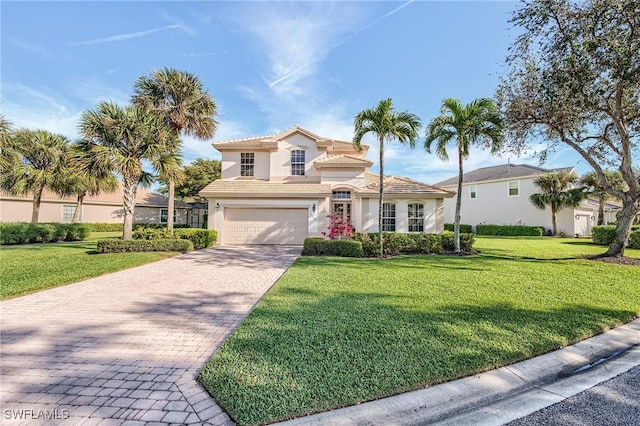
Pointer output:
x,y
342,161
503,171
257,189
394,185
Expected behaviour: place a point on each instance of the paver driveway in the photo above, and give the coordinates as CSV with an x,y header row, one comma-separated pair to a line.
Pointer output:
x,y
126,347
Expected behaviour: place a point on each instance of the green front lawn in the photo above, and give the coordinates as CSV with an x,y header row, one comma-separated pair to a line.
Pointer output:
x,y
336,331
33,267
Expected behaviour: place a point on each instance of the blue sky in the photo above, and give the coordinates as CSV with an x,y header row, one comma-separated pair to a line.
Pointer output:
x,y
269,65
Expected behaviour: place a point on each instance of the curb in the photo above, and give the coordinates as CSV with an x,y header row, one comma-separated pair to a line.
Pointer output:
x,y
504,394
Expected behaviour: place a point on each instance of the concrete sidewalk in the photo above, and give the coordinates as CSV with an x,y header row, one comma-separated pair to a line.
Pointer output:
x,y
502,395
126,347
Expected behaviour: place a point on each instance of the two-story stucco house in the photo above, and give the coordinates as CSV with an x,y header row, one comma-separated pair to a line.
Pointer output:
x,y
280,189
499,195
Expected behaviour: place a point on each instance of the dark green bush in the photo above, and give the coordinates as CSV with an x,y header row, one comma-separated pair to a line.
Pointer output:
x,y
604,234
28,233
370,246
467,229
322,247
466,242
427,243
106,227
510,230
152,234
159,225
121,246
634,239
201,238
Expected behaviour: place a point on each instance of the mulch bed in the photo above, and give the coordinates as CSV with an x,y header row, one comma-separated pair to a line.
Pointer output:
x,y
620,260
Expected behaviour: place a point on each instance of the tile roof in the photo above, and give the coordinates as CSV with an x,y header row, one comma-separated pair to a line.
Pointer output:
x,y
257,188
503,171
394,185
343,161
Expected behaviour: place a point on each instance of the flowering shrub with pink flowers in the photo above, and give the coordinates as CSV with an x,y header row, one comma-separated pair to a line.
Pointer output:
x,y
339,228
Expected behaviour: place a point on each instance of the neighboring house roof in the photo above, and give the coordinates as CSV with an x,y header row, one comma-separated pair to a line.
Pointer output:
x,y
394,185
342,161
144,198
503,171
257,189
270,141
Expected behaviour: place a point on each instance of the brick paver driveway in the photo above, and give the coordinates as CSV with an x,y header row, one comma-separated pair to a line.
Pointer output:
x,y
126,347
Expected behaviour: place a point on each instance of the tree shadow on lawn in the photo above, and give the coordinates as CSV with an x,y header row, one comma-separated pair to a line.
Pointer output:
x,y
317,353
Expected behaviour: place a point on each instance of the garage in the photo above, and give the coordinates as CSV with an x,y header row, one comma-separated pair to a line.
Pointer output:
x,y
265,226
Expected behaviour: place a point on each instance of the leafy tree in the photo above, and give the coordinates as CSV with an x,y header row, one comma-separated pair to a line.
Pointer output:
x,y
198,174
40,156
557,193
388,125
574,80
181,100
591,181
120,139
477,123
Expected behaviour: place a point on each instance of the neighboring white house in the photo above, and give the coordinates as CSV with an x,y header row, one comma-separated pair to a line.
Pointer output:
x,y
280,189
499,195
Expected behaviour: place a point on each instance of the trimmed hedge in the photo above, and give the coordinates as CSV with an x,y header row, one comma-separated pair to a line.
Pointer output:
x,y
29,233
449,244
106,227
467,229
158,225
151,234
201,238
121,246
634,239
510,230
604,234
322,247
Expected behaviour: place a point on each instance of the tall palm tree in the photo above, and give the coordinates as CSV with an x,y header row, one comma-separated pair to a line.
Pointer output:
x,y
557,193
8,155
476,123
388,125
120,139
40,156
180,98
592,182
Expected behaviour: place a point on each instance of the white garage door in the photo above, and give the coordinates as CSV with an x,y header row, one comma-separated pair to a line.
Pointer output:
x,y
265,226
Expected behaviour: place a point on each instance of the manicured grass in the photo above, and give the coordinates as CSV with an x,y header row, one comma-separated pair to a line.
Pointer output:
x,y
336,331
33,267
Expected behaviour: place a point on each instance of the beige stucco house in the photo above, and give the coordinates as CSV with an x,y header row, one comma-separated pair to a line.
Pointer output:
x,y
280,189
104,208
499,195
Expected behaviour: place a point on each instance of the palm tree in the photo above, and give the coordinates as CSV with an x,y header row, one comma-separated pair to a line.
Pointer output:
x,y
388,125
8,155
592,181
477,123
40,156
181,100
557,193
120,138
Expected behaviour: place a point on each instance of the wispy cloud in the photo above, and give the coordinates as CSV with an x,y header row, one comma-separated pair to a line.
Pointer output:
x,y
204,54
175,21
33,48
127,36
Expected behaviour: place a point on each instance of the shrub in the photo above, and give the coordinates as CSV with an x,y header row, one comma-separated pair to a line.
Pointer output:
x,y
159,225
604,234
201,238
152,234
339,228
322,247
467,229
28,233
466,242
106,227
370,246
121,246
634,239
428,243
510,230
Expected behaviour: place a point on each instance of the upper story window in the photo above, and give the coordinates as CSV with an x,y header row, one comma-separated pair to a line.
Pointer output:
x,y
514,188
247,161
473,191
388,217
341,195
297,162
416,217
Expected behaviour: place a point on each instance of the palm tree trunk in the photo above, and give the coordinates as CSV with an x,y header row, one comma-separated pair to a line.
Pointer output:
x,y
456,222
553,219
601,202
171,202
630,209
78,211
129,187
380,196
37,198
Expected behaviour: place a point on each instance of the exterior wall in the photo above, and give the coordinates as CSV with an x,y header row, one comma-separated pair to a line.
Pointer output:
x,y
339,176
433,214
493,205
280,167
231,164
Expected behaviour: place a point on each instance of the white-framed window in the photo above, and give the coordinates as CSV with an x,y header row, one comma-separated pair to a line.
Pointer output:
x,y
297,162
388,217
473,191
341,195
247,162
67,213
514,188
164,214
416,217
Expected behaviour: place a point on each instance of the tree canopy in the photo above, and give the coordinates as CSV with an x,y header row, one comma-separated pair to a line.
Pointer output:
x,y
558,192
197,175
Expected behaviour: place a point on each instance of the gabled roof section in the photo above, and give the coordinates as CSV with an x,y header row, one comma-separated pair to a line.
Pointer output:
x,y
394,185
342,161
503,171
270,141
262,189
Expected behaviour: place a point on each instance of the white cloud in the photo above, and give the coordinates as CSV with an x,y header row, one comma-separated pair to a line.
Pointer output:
x,y
127,36
94,91
33,48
